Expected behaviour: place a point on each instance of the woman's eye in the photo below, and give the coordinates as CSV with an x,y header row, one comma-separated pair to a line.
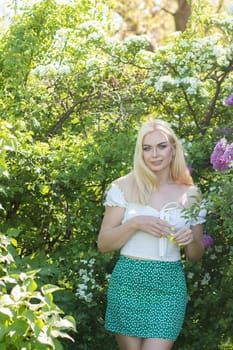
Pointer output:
x,y
146,148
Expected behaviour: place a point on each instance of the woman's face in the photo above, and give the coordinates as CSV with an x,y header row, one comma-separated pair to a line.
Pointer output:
x,y
157,151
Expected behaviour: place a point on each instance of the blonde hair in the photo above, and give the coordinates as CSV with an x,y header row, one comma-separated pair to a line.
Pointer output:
x,y
146,180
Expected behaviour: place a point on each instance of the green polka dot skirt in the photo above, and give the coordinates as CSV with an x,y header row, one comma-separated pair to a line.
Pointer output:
x,y
146,298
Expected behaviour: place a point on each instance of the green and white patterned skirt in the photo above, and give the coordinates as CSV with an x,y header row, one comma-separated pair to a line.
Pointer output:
x,y
146,298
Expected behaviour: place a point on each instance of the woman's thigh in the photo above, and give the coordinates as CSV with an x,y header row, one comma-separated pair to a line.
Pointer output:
x,y
156,344
128,343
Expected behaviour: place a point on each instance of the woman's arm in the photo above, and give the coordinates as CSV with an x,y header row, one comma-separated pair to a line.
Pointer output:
x,y
113,234
192,241
195,250
192,238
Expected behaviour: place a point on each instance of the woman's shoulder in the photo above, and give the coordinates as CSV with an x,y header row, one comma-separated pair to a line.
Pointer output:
x,y
191,195
193,190
193,201
125,184
115,195
124,181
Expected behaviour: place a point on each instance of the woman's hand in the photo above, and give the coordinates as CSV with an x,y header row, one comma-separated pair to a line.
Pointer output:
x,y
150,224
192,241
183,237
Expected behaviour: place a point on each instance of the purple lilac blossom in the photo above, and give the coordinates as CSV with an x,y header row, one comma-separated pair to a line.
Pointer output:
x,y
229,100
208,241
217,157
228,154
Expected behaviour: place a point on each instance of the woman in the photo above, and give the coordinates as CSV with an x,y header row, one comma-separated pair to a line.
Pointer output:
x,y
145,219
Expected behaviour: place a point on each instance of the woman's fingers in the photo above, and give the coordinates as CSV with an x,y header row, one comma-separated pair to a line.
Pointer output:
x,y
162,228
184,236
154,226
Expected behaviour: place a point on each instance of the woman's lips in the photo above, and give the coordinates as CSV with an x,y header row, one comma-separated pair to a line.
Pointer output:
x,y
156,162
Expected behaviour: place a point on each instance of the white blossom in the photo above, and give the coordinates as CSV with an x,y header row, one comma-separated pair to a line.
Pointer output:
x,y
87,282
108,276
82,272
83,261
165,79
61,37
62,33
82,287
148,81
218,248
91,262
90,25
146,56
64,69
213,256
190,275
221,55
90,63
224,21
139,39
51,69
190,55
205,279
95,36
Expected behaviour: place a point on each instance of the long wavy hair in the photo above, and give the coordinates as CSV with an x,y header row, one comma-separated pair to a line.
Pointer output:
x,y
146,180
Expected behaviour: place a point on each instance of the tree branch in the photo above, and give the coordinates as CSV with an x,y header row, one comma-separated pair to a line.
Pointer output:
x,y
219,82
67,114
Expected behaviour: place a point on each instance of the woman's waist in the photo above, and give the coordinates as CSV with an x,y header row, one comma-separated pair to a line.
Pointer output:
x,y
146,246
152,258
161,253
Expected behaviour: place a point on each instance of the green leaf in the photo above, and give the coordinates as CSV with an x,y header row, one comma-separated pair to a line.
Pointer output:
x,y
49,288
19,326
59,334
44,189
31,285
12,232
3,331
66,322
6,311
6,300
43,338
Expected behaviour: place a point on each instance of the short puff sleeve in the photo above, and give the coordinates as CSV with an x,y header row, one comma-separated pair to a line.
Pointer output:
x,y
200,218
115,197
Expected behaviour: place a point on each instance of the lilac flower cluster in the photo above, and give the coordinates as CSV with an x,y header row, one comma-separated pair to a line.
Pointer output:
x,y
208,241
229,100
222,155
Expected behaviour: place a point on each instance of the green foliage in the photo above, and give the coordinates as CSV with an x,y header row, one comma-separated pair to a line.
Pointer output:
x,y
71,99
29,317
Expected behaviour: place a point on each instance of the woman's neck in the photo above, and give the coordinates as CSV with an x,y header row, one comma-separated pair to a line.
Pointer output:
x,y
164,179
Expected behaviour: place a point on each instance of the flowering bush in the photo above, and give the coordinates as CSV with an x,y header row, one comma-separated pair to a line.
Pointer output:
x,y
222,155
87,282
29,317
74,98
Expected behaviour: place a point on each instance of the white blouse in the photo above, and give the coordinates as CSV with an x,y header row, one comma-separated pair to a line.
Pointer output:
x,y
142,244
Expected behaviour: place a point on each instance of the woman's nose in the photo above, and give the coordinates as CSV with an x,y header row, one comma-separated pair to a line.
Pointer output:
x,y
154,152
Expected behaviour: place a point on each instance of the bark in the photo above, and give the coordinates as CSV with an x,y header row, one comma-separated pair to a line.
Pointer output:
x,y
182,14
